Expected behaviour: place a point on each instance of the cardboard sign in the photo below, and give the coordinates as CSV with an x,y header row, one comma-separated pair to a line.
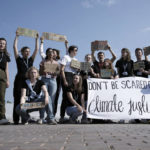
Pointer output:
x,y
34,105
106,73
75,64
51,67
27,32
99,45
146,50
53,36
138,65
84,66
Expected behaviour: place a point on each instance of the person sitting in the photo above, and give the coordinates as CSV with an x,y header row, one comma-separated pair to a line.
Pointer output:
x,y
31,91
75,100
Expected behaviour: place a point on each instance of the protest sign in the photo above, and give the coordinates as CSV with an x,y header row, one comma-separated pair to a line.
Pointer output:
x,y
51,68
146,50
123,98
27,32
84,66
53,36
138,65
99,45
33,105
106,73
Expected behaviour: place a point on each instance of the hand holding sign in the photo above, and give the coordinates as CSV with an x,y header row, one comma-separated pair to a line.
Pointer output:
x,y
99,45
146,50
53,36
27,32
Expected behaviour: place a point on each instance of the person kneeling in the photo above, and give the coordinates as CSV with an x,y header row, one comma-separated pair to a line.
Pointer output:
x,y
33,91
75,100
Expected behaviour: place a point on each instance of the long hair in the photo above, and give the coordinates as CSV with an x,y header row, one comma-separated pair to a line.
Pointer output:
x,y
58,53
110,64
79,85
47,50
128,52
29,70
5,50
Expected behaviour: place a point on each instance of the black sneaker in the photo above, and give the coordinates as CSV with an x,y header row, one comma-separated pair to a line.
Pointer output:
x,y
4,122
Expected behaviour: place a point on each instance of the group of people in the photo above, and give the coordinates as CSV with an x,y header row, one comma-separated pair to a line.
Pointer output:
x,y
33,85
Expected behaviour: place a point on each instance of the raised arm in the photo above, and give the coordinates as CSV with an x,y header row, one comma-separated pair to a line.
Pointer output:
x,y
16,54
66,45
36,46
112,53
42,54
92,54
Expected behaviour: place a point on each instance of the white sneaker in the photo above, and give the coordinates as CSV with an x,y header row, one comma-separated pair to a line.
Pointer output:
x,y
40,121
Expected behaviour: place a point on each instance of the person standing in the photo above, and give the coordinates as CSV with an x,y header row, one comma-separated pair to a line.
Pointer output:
x,y
144,70
4,78
23,63
125,64
67,76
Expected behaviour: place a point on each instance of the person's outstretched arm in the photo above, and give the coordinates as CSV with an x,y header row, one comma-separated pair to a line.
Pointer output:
x,y
66,45
36,46
112,53
15,46
42,54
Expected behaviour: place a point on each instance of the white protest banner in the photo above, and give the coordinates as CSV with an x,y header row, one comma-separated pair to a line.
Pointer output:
x,y
27,32
53,36
123,98
33,105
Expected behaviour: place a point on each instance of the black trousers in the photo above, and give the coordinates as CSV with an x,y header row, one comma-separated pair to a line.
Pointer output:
x,y
69,78
17,95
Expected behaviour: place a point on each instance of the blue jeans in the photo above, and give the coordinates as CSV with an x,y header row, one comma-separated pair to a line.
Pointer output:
x,y
24,113
73,112
51,88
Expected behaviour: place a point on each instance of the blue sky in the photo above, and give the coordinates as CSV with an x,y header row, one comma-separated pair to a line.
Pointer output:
x,y
124,23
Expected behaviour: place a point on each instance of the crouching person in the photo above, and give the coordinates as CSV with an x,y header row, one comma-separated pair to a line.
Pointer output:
x,y
75,100
33,90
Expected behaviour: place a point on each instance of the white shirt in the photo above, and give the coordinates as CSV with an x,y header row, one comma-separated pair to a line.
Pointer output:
x,y
42,54
66,61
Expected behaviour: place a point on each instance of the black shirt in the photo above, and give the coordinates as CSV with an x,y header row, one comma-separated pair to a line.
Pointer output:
x,y
76,96
36,88
23,65
3,60
97,66
147,67
125,68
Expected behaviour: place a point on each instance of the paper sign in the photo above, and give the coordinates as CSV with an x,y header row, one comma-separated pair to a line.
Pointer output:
x,y
138,65
84,66
106,73
53,36
51,67
99,45
27,32
33,105
146,50
75,64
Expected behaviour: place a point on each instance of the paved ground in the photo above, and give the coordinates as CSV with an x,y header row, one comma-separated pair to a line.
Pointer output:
x,y
75,137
